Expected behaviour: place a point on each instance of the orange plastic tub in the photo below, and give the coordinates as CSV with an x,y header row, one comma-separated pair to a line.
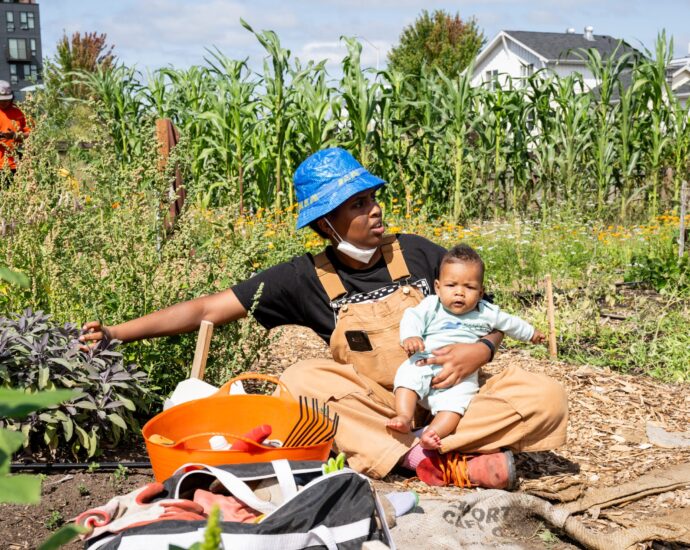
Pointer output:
x,y
189,426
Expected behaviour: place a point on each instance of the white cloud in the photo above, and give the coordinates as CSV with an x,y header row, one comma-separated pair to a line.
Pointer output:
x,y
373,53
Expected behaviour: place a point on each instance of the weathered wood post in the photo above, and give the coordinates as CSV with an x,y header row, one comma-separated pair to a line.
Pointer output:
x,y
551,317
683,211
168,136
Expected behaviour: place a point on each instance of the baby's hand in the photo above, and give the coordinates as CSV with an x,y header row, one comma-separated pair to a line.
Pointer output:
x,y
413,344
538,337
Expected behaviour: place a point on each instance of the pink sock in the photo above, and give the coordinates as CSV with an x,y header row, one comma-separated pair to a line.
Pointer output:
x,y
414,456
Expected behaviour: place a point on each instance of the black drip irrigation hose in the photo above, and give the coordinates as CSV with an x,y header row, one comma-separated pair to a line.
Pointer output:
x,y
63,466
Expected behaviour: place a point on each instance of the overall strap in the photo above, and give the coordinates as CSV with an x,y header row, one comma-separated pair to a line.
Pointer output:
x,y
328,277
390,247
392,254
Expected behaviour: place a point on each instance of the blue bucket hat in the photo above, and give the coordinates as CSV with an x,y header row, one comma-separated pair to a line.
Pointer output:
x,y
325,180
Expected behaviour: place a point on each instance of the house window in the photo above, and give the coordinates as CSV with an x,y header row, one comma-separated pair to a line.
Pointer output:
x,y
26,20
526,70
34,72
490,78
9,18
32,44
17,48
14,79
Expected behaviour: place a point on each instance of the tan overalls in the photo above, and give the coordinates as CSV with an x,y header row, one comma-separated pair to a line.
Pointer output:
x,y
514,409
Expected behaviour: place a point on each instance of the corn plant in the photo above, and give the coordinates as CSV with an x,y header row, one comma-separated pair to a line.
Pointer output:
x,y
629,143
118,90
361,100
276,106
231,112
607,73
573,137
456,97
540,122
680,146
419,118
394,139
469,152
316,108
656,93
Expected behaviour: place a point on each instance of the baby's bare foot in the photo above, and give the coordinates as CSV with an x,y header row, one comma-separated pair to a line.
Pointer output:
x,y
399,424
430,440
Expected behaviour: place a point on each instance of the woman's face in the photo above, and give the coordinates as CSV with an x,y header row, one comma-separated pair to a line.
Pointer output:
x,y
359,220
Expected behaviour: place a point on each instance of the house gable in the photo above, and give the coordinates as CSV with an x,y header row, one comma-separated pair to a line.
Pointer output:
x,y
506,56
516,54
680,78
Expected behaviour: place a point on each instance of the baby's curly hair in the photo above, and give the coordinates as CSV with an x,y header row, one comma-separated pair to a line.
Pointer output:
x,y
462,253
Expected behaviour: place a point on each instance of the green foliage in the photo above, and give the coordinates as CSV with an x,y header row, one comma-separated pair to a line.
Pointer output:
x,y
661,268
24,489
89,231
212,534
14,277
36,355
120,474
516,148
54,520
64,535
17,404
509,147
438,40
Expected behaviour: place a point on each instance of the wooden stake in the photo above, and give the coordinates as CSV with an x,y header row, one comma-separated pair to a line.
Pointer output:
x,y
551,316
203,342
683,211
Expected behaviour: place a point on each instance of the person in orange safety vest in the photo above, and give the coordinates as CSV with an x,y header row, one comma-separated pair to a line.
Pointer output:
x,y
13,127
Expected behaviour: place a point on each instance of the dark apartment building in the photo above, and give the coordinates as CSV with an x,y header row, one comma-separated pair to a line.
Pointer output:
x,y
20,38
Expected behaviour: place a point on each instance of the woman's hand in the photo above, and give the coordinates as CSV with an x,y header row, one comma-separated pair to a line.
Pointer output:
x,y
458,362
92,333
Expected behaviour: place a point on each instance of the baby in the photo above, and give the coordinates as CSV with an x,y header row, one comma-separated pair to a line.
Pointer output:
x,y
455,314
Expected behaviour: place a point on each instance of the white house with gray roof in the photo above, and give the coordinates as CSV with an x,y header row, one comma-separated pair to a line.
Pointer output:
x,y
518,54
678,76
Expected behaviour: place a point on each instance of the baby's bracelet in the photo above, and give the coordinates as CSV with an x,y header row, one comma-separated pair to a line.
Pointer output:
x,y
489,344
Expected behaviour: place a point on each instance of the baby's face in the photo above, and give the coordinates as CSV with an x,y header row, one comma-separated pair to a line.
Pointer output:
x,y
459,286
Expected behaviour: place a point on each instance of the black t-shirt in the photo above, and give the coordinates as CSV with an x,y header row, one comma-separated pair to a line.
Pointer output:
x,y
293,295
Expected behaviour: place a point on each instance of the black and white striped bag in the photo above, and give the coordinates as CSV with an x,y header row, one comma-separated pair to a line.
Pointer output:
x,y
339,510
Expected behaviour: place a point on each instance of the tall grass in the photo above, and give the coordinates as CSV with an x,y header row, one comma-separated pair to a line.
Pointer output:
x,y
617,152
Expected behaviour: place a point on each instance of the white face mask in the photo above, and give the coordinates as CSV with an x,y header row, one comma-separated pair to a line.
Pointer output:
x,y
350,250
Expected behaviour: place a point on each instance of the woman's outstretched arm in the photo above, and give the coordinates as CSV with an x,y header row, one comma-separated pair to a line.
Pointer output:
x,y
220,308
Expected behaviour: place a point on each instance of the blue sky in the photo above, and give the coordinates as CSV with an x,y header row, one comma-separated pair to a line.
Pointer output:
x,y
156,33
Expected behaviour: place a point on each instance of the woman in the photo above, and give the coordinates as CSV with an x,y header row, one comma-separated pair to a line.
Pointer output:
x,y
353,295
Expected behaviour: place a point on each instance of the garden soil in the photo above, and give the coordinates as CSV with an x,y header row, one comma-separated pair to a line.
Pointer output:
x,y
612,418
